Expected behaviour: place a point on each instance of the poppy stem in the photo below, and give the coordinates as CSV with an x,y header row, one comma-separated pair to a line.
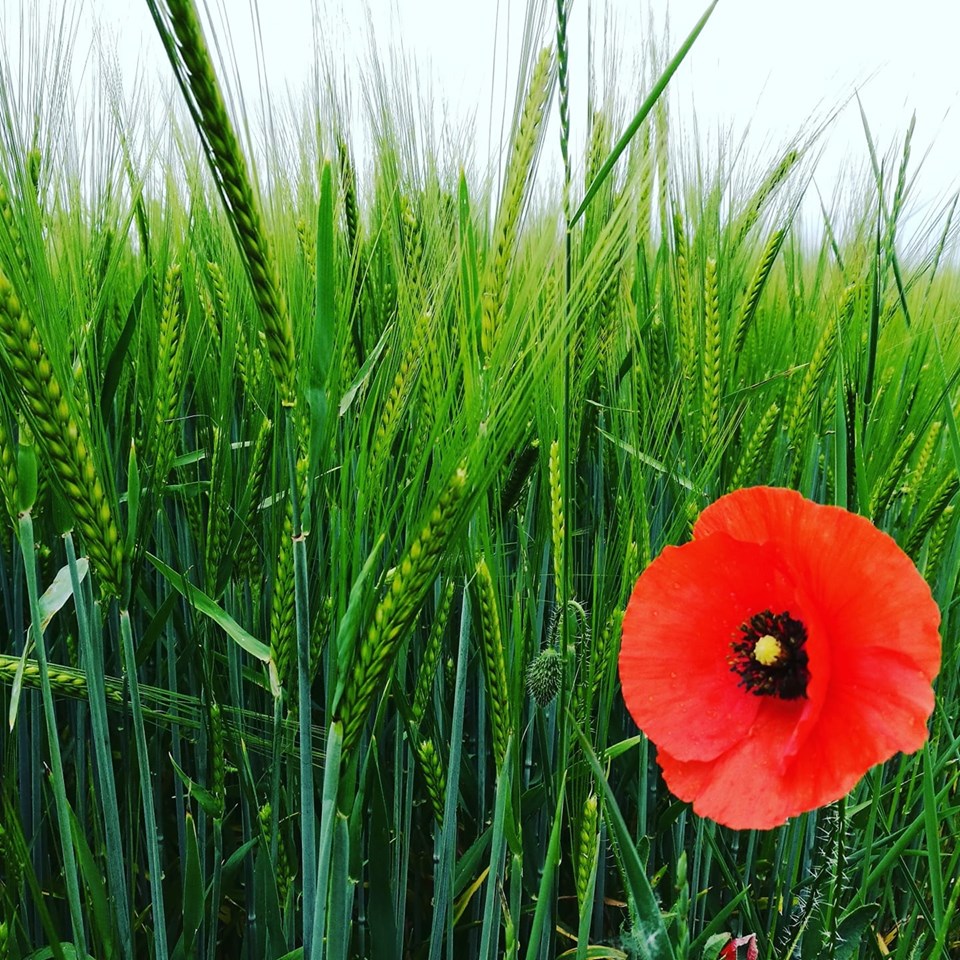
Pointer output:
x,y
839,869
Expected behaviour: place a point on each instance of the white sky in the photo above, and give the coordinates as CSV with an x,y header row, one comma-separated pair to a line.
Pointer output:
x,y
773,64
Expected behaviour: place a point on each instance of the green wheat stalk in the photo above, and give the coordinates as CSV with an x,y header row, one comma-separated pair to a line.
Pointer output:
x,y
179,29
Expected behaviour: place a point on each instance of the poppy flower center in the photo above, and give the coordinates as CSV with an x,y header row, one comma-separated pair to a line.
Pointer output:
x,y
770,658
768,651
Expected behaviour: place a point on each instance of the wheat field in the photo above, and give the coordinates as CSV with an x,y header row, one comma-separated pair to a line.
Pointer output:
x,y
327,477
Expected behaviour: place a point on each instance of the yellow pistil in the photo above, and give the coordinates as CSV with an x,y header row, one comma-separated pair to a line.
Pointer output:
x,y
767,651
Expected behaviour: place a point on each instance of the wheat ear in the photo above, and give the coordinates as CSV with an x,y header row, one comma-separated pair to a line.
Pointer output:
x,y
59,437
397,609
494,661
187,50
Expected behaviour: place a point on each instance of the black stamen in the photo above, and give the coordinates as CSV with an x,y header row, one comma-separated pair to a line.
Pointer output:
x,y
788,676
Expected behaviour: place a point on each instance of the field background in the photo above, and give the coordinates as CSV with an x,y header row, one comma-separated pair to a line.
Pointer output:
x,y
325,489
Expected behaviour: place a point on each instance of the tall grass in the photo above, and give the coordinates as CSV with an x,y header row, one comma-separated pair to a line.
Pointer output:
x,y
326,480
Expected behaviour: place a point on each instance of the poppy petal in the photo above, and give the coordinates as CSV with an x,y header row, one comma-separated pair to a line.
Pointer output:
x,y
881,702
749,787
865,586
685,611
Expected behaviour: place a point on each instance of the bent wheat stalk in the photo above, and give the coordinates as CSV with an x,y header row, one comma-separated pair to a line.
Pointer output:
x,y
163,708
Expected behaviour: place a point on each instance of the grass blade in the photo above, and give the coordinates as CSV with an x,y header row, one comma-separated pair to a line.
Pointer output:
x,y
641,115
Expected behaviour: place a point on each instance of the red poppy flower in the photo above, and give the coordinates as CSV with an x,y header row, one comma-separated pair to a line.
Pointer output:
x,y
778,656
732,949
